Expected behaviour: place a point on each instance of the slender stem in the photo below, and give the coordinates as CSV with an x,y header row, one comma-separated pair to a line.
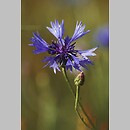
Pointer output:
x,y
77,96
76,105
81,118
78,102
67,80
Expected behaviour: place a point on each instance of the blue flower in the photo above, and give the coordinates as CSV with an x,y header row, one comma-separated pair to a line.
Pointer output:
x,y
62,52
102,36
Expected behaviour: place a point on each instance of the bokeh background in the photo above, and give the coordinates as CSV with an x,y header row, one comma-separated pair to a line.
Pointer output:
x,y
46,101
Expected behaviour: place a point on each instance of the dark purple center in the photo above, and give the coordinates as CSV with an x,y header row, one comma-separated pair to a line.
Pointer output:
x,y
64,52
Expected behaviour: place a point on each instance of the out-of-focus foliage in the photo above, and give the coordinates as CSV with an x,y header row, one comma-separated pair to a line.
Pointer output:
x,y
47,103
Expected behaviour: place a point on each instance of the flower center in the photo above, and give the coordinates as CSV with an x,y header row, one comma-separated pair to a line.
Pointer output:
x,y
63,52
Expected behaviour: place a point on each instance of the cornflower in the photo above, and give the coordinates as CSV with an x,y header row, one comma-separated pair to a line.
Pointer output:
x,y
62,52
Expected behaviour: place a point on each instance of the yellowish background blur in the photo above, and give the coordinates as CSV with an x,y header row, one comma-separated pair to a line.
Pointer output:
x,y
47,103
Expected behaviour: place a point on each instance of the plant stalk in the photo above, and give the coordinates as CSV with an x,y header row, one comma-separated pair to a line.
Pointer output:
x,y
77,102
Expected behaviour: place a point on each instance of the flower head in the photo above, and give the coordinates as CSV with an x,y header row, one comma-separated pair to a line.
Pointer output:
x,y
62,52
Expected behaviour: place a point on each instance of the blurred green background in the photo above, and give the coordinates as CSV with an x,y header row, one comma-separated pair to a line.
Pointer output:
x,y
47,103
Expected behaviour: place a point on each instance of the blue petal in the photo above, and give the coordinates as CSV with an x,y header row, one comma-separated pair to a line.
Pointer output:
x,y
76,60
76,66
52,62
39,44
69,65
84,62
57,29
55,66
79,31
48,59
67,40
86,53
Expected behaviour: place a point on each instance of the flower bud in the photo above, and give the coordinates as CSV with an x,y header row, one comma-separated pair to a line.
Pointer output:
x,y
79,80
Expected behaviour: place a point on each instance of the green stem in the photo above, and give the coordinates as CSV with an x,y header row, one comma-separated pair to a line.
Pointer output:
x,y
67,80
76,105
78,102
77,96
82,119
